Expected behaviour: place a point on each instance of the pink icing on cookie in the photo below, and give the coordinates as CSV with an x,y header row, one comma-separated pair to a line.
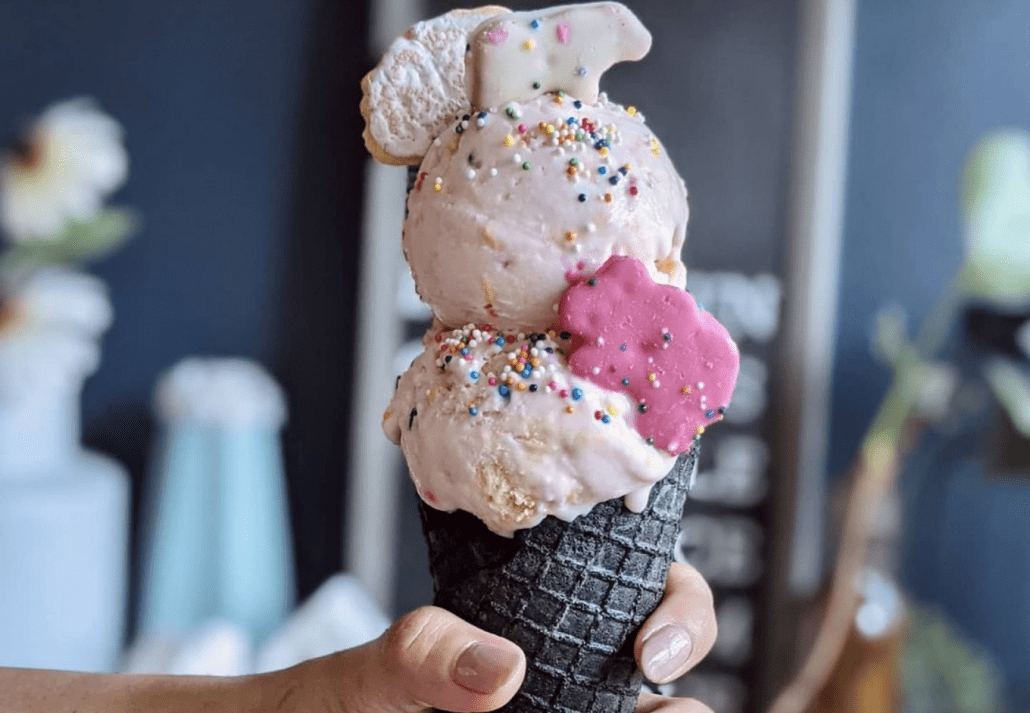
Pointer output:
x,y
650,341
497,35
563,32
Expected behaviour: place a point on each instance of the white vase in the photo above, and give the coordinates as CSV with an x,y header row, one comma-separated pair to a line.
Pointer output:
x,y
63,511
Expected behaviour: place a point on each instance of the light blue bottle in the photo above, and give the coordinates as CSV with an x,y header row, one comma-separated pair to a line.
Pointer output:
x,y
180,558
217,535
256,582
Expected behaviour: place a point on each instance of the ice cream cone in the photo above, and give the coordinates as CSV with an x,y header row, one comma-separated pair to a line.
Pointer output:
x,y
572,595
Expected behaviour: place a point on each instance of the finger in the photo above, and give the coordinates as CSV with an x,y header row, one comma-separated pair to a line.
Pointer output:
x,y
432,659
681,631
650,703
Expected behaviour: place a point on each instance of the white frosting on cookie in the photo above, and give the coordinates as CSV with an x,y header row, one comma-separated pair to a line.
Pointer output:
x,y
518,56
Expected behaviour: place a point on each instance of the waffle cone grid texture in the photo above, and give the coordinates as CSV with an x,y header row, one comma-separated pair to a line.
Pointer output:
x,y
572,595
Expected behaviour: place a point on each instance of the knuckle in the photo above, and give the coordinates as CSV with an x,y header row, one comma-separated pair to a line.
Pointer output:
x,y
407,636
694,582
698,609
706,592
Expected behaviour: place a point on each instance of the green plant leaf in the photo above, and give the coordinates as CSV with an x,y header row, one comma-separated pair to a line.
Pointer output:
x,y
78,243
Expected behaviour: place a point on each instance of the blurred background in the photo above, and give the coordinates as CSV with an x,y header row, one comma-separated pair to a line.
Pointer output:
x,y
860,193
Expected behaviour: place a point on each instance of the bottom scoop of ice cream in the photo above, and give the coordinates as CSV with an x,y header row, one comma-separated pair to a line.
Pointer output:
x,y
495,424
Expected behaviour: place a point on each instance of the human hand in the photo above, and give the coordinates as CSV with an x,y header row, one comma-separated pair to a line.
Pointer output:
x,y
430,659
674,639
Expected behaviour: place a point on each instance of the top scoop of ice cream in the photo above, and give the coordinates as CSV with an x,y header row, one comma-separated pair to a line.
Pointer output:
x,y
510,206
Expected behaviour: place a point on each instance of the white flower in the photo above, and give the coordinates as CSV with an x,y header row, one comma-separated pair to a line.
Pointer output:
x,y
72,158
50,336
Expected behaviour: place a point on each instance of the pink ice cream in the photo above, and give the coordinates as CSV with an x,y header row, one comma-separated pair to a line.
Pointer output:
x,y
566,365
525,194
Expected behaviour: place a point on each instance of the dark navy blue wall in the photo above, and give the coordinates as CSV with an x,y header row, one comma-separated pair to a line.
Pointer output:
x,y
208,95
931,77
242,126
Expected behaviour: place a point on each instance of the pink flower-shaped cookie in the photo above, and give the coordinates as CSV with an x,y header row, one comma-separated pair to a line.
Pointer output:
x,y
629,334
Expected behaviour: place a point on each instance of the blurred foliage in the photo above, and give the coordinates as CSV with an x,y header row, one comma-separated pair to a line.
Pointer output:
x,y
944,673
77,244
996,208
995,202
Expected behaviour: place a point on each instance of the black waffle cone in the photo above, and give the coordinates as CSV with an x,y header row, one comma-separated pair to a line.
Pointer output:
x,y
572,595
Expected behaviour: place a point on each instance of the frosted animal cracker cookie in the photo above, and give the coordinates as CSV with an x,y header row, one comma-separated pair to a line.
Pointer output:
x,y
418,87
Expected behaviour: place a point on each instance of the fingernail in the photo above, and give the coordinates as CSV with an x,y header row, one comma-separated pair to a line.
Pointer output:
x,y
665,652
483,668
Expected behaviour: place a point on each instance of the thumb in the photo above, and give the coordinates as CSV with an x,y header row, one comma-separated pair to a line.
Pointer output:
x,y
430,658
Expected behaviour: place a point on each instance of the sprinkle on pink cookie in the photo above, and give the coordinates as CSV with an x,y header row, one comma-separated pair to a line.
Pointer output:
x,y
497,35
651,342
